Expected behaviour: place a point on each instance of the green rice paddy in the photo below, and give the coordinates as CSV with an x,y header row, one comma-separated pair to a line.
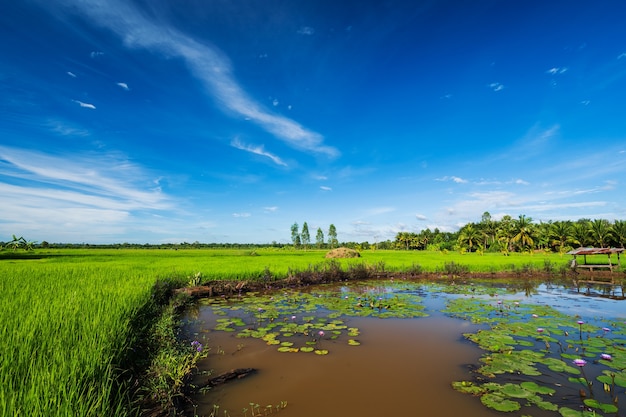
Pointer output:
x,y
69,317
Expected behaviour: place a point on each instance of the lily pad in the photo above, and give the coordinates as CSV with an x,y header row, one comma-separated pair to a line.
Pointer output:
x,y
499,402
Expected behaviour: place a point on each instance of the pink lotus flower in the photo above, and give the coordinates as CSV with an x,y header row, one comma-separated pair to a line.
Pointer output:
x,y
579,362
606,357
540,330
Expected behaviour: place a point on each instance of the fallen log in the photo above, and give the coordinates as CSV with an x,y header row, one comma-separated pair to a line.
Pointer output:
x,y
230,375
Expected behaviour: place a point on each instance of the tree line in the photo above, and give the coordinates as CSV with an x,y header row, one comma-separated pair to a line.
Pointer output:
x,y
302,238
518,235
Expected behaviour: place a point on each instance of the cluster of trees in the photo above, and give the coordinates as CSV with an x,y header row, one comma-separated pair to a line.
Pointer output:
x,y
302,238
519,235
17,243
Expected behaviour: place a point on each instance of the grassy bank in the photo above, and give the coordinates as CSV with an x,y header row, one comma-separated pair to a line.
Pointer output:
x,y
77,325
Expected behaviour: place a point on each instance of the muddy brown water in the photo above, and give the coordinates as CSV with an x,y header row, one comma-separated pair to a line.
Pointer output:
x,y
403,367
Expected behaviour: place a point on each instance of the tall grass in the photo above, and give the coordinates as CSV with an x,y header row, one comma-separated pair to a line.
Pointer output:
x,y
64,330
68,317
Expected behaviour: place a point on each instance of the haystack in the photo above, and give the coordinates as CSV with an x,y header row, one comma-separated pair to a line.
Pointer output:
x,y
343,253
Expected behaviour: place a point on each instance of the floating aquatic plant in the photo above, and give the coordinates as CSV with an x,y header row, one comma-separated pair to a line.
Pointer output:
x,y
512,343
300,317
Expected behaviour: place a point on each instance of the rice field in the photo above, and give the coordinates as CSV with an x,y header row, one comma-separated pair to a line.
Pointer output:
x,y
66,316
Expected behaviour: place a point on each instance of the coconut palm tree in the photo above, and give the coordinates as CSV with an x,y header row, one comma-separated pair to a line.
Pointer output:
x,y
469,236
600,231
619,232
581,234
524,231
560,233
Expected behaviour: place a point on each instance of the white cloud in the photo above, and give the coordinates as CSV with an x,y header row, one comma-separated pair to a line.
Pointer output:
x,y
496,86
557,70
271,209
325,188
275,102
306,30
257,150
123,85
241,215
204,60
585,102
622,55
85,105
75,197
71,74
520,181
96,54
453,178
420,217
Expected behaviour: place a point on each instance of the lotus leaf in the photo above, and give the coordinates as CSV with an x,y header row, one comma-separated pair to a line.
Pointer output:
x,y
606,408
499,402
610,377
468,387
515,391
536,388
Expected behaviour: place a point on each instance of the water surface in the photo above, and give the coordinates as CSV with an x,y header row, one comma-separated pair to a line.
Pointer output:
x,y
402,367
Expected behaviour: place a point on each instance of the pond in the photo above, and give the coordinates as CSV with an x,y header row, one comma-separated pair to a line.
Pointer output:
x,y
397,348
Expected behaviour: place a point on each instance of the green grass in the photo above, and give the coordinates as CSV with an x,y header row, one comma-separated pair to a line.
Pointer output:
x,y
68,317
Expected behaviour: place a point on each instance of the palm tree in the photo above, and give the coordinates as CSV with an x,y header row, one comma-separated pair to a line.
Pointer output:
x,y
581,234
600,231
619,232
561,234
523,229
505,233
468,236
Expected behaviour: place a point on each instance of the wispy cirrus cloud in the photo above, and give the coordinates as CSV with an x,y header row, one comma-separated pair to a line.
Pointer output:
x,y
557,70
66,195
325,188
207,63
71,74
257,150
241,215
124,86
452,178
84,105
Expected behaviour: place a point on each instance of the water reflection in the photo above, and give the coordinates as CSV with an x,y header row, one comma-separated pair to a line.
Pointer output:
x,y
402,367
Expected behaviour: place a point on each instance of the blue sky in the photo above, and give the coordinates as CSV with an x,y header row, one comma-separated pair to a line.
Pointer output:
x,y
229,120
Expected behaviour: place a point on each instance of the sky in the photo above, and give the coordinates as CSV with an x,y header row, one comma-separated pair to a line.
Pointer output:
x,y
228,121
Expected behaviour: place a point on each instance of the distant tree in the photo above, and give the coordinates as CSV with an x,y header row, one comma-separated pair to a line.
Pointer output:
x,y
619,232
20,243
600,231
305,236
332,236
295,235
581,235
469,237
505,233
319,238
523,229
560,233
